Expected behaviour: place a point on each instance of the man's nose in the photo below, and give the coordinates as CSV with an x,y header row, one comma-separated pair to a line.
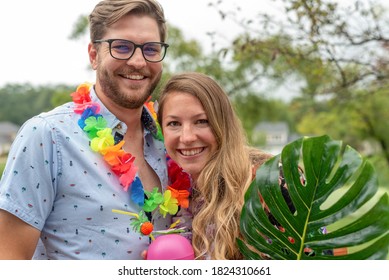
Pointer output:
x,y
137,60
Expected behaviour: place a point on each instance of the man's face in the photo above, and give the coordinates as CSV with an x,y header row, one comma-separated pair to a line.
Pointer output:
x,y
126,83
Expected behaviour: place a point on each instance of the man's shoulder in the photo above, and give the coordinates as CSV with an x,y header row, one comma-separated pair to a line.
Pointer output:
x,y
64,109
62,114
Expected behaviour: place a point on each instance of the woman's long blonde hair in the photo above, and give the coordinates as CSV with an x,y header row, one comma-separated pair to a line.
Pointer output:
x,y
221,185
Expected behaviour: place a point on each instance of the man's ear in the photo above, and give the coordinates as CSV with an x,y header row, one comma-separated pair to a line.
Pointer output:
x,y
92,51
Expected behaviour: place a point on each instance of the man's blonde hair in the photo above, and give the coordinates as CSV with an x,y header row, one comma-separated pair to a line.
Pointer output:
x,y
107,12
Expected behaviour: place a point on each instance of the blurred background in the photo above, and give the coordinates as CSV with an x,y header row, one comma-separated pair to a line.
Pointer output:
x,y
292,68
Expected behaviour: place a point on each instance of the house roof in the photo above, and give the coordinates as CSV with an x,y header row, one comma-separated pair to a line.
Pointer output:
x,y
7,128
272,127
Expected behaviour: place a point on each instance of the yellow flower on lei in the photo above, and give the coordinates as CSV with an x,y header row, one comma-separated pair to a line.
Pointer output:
x,y
103,140
169,205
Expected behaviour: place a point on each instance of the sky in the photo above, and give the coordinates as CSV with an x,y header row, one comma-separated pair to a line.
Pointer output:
x,y
35,46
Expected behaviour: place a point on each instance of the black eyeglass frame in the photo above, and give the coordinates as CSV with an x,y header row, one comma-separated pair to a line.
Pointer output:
x,y
109,41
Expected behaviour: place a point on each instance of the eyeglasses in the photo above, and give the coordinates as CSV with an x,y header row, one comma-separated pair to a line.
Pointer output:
x,y
124,49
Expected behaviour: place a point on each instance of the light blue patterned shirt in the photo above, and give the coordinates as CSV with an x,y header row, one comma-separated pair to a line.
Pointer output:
x,y
56,183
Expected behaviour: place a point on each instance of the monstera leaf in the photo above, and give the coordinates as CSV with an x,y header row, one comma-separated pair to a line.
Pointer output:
x,y
300,234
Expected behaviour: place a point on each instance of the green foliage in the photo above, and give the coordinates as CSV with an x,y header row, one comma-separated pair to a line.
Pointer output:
x,y
339,124
382,167
2,166
253,108
60,98
184,54
340,70
358,121
327,168
23,101
80,27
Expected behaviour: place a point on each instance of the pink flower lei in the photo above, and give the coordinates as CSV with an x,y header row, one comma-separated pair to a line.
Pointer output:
x,y
122,163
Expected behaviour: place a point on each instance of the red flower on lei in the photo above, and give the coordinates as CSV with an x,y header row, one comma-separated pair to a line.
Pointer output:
x,y
180,183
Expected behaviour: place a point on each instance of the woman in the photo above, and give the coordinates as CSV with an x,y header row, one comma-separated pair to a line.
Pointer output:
x,y
204,136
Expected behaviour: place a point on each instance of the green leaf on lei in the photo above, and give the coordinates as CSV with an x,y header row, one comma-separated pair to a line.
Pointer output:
x,y
93,125
154,199
137,222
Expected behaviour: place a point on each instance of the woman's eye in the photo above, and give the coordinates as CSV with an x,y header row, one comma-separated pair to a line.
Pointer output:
x,y
172,123
202,121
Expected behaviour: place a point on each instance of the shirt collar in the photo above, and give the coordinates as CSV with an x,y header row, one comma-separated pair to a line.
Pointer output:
x,y
149,123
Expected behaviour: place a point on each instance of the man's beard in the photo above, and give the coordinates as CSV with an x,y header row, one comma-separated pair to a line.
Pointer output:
x,y
111,91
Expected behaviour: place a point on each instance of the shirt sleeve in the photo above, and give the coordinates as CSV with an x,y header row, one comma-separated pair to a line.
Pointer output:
x,y
27,187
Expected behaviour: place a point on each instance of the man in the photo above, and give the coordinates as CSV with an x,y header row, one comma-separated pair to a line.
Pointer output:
x,y
56,189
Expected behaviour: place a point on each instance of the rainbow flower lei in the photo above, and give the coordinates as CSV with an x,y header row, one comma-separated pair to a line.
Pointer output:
x,y
122,163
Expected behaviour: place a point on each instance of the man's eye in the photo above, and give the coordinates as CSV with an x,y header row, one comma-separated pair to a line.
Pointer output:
x,y
121,48
151,50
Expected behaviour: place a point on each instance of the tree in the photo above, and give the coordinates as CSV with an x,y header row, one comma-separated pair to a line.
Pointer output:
x,y
339,52
21,102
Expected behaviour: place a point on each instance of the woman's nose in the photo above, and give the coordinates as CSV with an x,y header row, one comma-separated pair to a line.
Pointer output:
x,y
187,134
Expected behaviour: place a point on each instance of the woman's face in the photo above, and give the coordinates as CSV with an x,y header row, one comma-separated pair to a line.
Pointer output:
x,y
189,139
